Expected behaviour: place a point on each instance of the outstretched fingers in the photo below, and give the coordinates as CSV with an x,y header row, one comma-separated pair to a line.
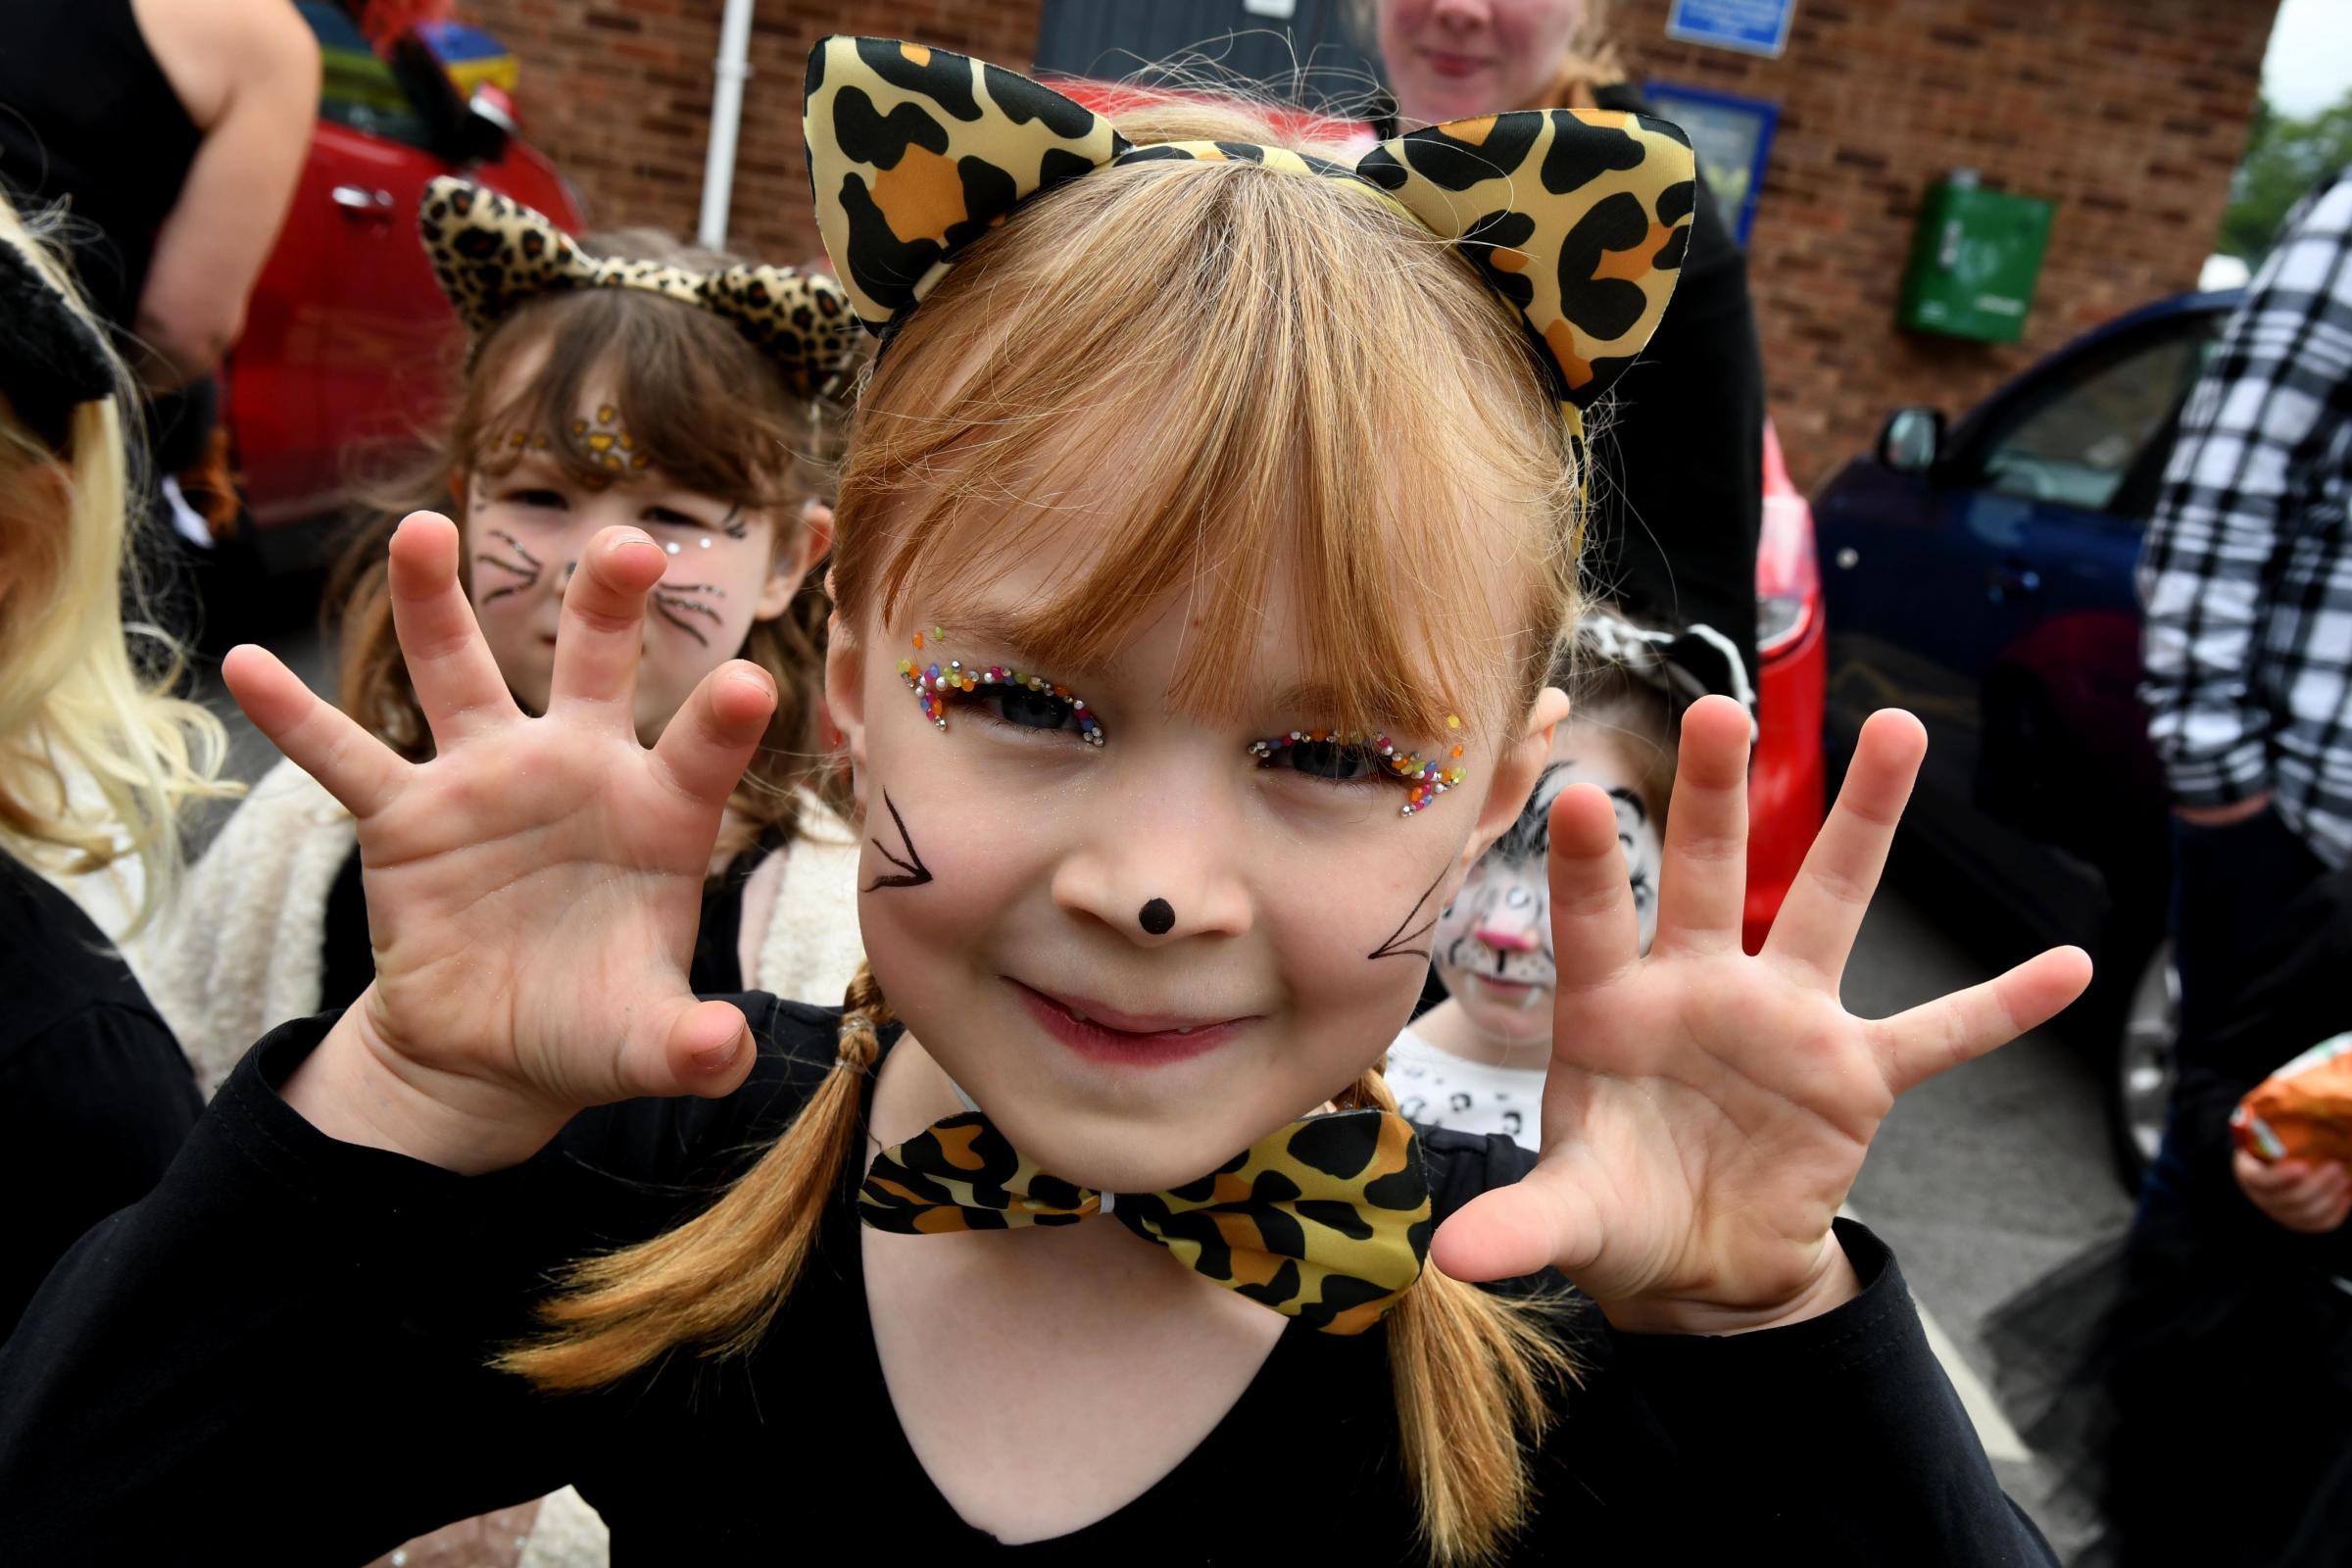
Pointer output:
x,y
1702,885
353,765
1823,912
1936,1036
706,745
458,682
604,626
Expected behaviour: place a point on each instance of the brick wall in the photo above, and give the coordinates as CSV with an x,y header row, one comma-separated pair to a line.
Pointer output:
x,y
2130,113
619,93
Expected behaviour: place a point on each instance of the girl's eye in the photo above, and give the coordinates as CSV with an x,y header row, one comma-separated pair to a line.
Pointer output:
x,y
675,520
1359,761
1000,694
535,498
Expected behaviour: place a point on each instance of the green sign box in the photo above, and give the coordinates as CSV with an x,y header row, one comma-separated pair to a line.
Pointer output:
x,y
1974,261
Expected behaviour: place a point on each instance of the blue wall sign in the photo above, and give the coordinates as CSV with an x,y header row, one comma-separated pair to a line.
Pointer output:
x,y
1753,26
1732,137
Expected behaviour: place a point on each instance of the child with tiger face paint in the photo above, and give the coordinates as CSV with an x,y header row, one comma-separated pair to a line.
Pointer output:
x,y
1477,1061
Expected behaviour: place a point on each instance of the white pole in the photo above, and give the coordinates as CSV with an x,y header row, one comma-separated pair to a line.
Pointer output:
x,y
726,116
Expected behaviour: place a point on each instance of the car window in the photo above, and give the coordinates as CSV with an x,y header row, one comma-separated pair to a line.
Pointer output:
x,y
357,88
2075,436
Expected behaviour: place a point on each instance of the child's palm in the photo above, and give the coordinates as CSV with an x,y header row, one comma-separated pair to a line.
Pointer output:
x,y
533,890
1706,1111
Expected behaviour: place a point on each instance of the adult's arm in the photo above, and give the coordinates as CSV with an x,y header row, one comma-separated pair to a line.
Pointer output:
x,y
247,73
2269,405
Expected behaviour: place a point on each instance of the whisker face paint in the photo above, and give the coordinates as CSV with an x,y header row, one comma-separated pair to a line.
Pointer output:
x,y
675,603
912,872
1399,943
525,565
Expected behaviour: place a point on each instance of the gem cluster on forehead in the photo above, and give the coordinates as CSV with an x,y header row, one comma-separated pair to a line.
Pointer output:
x,y
928,680
1429,779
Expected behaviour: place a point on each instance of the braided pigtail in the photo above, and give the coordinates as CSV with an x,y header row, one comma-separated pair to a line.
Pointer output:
x,y
1477,1376
714,1284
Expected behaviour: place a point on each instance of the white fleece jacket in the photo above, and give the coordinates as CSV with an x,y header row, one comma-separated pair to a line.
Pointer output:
x,y
241,951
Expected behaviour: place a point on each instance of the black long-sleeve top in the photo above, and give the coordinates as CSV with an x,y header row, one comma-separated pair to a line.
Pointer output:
x,y
288,1335
95,1096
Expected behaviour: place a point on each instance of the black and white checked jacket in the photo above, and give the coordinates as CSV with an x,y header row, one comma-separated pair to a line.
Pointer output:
x,y
2246,575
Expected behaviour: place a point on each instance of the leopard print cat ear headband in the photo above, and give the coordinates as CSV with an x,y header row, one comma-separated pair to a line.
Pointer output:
x,y
1575,218
492,255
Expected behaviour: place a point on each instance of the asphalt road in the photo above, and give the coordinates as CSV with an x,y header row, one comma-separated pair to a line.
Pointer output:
x,y
1982,1180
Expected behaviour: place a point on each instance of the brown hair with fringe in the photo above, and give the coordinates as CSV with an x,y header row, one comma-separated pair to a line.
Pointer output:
x,y
717,418
1359,409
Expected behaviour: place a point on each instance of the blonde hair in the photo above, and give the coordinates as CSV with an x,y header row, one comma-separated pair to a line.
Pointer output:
x,y
1286,370
75,707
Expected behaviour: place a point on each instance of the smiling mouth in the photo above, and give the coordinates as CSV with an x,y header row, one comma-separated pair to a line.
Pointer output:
x,y
1105,1034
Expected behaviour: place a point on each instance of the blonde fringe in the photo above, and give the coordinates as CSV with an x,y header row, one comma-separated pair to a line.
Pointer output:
x,y
714,1284
75,707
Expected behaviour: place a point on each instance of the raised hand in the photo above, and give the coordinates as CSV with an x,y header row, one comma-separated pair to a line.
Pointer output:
x,y
533,890
1706,1111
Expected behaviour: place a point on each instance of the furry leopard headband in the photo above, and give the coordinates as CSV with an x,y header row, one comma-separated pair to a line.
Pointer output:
x,y
493,254
1577,219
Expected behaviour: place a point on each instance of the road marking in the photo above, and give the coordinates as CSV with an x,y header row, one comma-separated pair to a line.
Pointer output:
x,y
1993,1430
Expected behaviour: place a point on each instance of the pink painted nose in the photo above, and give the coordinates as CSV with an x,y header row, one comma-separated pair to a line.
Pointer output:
x,y
1522,940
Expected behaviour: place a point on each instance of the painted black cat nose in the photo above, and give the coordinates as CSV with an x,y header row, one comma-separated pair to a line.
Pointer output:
x,y
1159,917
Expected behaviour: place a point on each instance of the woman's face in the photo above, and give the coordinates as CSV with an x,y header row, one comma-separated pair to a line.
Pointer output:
x,y
525,529
1453,59
1141,956
1494,941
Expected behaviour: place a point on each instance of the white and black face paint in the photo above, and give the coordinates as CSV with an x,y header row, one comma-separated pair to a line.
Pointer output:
x,y
1493,942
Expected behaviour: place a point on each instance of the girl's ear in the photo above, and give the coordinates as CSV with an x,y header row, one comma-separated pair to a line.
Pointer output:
x,y
791,566
845,687
1516,771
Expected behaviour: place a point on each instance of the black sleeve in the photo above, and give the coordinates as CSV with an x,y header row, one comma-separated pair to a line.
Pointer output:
x,y
305,1325
1678,498
91,1112
1835,1441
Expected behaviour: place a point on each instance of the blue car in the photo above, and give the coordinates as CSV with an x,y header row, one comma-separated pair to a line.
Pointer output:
x,y
1981,575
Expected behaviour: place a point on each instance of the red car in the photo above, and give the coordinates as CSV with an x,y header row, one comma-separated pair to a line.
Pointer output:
x,y
348,343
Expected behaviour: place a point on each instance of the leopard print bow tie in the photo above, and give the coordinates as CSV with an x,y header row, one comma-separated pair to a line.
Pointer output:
x,y
1575,218
1327,1220
492,255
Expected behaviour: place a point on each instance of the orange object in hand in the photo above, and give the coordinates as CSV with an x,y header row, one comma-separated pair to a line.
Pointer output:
x,y
2303,1111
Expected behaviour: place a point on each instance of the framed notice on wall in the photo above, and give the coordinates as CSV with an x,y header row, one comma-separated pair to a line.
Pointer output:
x,y
1731,136
1752,26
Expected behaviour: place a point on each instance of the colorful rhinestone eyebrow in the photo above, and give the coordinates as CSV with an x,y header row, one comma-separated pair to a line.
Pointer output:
x,y
1428,779
929,680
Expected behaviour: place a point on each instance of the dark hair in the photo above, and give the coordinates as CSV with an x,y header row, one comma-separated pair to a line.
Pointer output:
x,y
711,413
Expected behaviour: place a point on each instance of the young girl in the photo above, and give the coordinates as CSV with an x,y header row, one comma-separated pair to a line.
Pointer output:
x,y
1476,1061
1186,474
627,379
96,762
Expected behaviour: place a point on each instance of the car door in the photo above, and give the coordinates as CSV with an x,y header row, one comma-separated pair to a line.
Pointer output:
x,y
1993,596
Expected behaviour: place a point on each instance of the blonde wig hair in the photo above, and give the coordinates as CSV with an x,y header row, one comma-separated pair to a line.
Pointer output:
x,y
78,712
1310,406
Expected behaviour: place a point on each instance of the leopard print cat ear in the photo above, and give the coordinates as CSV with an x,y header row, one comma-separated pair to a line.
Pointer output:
x,y
492,255
1577,219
